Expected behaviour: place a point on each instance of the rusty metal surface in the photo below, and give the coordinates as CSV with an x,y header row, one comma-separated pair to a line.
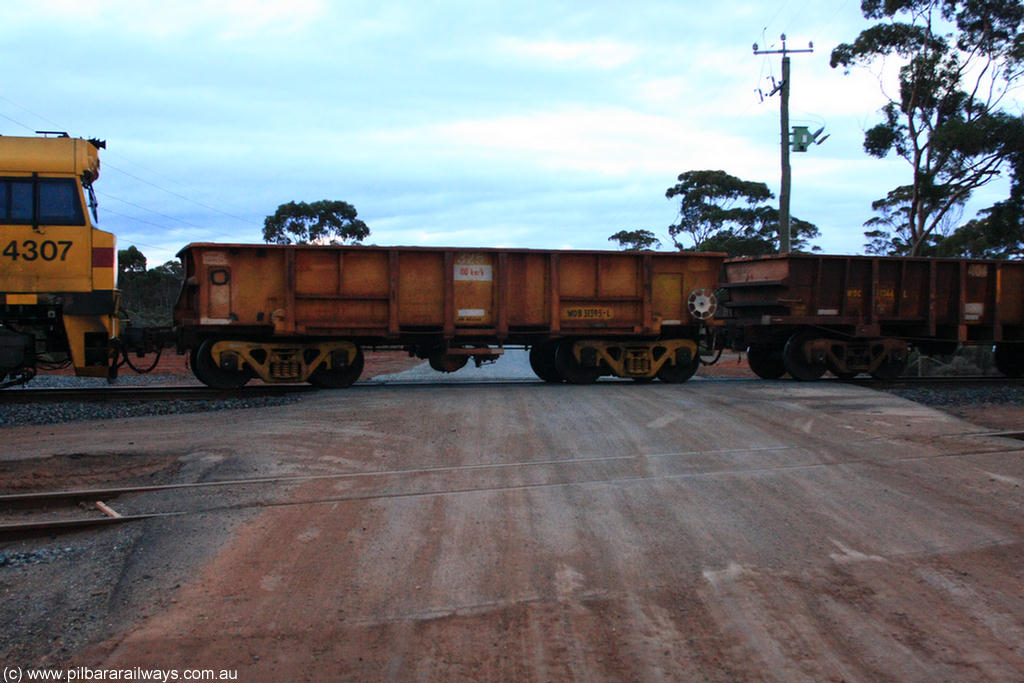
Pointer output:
x,y
398,293
948,299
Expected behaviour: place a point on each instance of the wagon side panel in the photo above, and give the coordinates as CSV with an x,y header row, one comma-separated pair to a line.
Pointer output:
x,y
529,291
1010,303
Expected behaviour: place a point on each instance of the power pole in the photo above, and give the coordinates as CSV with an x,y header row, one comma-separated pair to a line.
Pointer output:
x,y
783,89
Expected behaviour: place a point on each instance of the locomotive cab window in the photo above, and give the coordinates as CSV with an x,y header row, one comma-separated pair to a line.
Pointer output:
x,y
16,201
49,201
59,203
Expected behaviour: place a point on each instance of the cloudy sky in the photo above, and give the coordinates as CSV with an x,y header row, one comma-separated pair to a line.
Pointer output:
x,y
520,124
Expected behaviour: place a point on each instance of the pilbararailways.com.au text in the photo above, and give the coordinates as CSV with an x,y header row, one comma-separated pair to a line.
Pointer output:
x,y
13,674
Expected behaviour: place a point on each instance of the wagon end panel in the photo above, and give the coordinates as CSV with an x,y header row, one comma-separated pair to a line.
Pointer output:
x,y
756,290
676,282
233,286
668,300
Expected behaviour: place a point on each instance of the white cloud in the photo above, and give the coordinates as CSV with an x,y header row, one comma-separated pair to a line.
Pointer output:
x,y
229,19
529,124
608,141
598,53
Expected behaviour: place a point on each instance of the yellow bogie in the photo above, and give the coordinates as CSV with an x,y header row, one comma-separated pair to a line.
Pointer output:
x,y
276,362
635,359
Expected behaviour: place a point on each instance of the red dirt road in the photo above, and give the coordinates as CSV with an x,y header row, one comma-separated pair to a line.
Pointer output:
x,y
719,531
712,531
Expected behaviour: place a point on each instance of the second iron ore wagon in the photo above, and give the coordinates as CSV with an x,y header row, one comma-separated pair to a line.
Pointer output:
x,y
805,314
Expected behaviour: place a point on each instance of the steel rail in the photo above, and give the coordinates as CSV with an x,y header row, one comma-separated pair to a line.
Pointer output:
x,y
42,497
951,380
147,393
14,530
199,392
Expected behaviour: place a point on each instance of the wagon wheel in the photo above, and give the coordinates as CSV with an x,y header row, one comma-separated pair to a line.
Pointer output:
x,y
841,374
542,361
765,361
442,362
1009,359
836,362
889,368
339,377
794,357
211,374
570,369
677,373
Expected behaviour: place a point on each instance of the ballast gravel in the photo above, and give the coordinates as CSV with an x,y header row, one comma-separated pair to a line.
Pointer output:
x,y
514,365
960,396
44,413
29,557
53,413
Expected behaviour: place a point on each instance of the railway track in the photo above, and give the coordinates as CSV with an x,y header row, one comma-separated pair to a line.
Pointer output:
x,y
203,393
957,381
146,393
47,513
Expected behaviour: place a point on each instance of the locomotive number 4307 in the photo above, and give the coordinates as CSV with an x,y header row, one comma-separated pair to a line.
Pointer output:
x,y
30,250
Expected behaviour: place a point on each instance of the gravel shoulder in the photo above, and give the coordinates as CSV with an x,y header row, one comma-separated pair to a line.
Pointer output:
x,y
997,407
171,371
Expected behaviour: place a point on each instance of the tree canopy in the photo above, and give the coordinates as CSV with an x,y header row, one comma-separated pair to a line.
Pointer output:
x,y
147,296
958,59
131,260
721,212
998,232
635,240
322,222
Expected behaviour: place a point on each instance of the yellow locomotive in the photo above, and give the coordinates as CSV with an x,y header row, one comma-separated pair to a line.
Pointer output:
x,y
58,296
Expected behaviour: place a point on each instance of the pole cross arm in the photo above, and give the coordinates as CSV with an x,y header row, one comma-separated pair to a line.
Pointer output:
x,y
783,88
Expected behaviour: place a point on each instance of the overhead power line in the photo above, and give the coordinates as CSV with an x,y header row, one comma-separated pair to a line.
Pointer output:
x,y
16,122
156,213
179,195
107,165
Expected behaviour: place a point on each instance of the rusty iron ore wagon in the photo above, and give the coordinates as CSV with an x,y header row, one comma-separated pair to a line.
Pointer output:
x,y
298,313
805,314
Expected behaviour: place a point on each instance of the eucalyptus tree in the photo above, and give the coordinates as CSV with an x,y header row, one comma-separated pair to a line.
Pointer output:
x,y
721,212
322,222
635,240
958,61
